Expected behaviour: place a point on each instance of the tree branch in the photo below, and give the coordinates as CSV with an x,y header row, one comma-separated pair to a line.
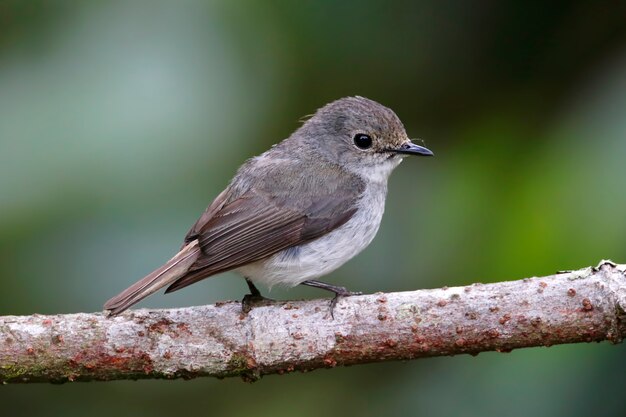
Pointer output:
x,y
219,340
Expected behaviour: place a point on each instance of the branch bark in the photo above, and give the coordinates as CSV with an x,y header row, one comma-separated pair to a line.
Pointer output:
x,y
219,340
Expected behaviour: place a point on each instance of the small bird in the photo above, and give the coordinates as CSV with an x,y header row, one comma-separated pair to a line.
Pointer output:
x,y
298,211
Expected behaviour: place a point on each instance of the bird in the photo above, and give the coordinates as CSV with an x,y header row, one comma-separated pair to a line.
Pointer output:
x,y
296,212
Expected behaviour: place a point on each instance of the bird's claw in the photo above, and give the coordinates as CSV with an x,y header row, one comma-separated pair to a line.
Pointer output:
x,y
250,301
341,292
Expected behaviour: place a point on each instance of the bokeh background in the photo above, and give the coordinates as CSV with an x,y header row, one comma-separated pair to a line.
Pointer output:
x,y
120,121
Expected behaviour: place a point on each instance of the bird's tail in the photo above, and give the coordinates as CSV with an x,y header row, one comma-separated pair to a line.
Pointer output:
x,y
157,279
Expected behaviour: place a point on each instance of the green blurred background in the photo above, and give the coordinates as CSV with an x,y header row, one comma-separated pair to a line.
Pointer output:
x,y
120,122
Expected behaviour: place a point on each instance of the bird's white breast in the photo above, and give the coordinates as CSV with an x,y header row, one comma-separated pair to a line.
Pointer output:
x,y
323,255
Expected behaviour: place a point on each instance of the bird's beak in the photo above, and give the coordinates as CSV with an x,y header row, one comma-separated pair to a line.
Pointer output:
x,y
409,148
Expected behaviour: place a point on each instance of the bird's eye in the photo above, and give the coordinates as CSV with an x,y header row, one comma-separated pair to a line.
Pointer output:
x,y
362,141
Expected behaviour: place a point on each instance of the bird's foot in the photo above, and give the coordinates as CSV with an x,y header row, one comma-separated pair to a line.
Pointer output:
x,y
254,300
338,295
339,292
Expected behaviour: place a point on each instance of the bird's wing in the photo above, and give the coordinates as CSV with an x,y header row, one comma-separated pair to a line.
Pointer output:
x,y
259,224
